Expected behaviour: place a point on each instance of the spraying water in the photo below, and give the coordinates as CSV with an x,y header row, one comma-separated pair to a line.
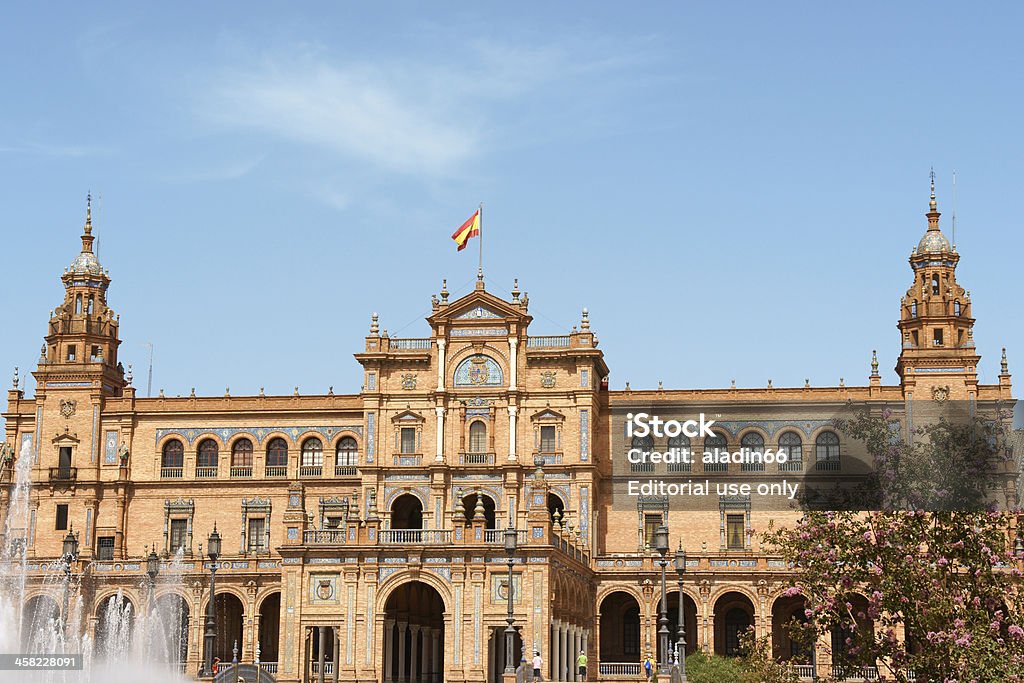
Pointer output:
x,y
132,643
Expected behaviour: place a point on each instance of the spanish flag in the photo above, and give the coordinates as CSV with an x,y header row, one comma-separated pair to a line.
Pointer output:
x,y
470,228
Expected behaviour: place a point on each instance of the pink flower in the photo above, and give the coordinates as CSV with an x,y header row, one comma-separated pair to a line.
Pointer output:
x,y
1016,631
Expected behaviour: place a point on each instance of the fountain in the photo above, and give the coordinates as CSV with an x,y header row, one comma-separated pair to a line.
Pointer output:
x,y
130,644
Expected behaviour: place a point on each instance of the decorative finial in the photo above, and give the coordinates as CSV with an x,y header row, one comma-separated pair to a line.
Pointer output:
x,y
192,394
807,383
841,383
374,329
296,391
262,393
931,203
515,289
42,353
478,510
88,213
15,380
733,384
874,363
330,390
479,274
161,394
1003,365
585,321
128,375
627,387
227,391
769,384
661,387
444,290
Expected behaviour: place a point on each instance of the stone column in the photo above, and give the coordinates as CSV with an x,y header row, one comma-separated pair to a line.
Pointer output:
x,y
440,364
435,657
388,644
573,675
414,654
439,445
512,410
555,654
566,653
321,632
402,625
425,649
513,348
337,652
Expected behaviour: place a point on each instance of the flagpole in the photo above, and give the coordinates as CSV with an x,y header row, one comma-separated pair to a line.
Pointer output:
x,y
480,268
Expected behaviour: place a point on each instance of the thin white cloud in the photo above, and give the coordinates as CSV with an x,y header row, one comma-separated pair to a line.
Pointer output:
x,y
231,170
51,150
426,117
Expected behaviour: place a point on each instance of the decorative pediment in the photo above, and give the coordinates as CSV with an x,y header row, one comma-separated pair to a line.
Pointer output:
x,y
478,313
547,414
65,437
408,417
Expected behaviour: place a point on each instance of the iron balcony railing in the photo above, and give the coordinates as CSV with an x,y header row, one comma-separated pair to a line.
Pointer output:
x,y
206,472
415,536
172,472
63,473
276,471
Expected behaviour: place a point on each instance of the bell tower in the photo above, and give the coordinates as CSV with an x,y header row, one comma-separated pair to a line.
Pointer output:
x,y
936,326
81,343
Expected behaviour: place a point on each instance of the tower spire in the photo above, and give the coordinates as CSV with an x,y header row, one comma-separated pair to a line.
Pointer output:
x,y
933,211
88,213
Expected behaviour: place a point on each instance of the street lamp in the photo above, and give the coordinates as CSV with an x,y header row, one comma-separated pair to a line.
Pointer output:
x,y
661,545
152,569
69,555
681,634
213,551
511,538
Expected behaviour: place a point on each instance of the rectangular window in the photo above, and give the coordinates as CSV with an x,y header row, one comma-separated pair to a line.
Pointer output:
x,y
105,548
97,353
937,336
62,517
71,351
651,524
547,439
257,534
64,463
333,523
735,536
408,439
179,532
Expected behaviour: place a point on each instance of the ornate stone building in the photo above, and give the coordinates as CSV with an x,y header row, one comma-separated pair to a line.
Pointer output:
x,y
362,532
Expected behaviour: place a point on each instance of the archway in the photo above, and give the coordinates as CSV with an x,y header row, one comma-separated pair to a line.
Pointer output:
x,y
407,512
734,615
690,613
39,619
620,629
228,613
170,641
413,646
785,612
556,508
843,638
115,624
469,505
270,627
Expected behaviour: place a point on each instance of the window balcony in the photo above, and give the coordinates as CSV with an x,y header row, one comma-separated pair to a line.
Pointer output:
x,y
346,471
311,471
407,459
547,457
498,536
172,472
324,537
415,536
276,471
63,474
241,471
827,465
476,458
791,466
206,472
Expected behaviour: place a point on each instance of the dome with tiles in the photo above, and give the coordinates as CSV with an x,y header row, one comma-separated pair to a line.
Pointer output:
x,y
933,241
86,263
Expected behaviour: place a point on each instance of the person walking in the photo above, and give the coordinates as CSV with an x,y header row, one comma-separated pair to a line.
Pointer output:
x,y
648,667
537,663
581,665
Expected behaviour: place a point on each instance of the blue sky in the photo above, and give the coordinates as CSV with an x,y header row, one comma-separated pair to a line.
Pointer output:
x,y
733,190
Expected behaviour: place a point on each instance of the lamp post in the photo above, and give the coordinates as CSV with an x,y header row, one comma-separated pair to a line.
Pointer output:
x,y
69,555
511,538
681,633
152,569
661,545
213,552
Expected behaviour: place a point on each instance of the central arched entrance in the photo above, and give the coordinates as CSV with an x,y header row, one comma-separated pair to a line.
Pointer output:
x,y
413,648
734,614
620,629
170,639
407,512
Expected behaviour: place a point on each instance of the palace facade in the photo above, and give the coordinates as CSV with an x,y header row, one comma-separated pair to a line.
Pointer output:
x,y
363,533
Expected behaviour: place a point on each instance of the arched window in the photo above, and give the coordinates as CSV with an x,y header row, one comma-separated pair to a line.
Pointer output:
x,y
173,455
207,454
752,445
956,308
92,300
78,303
826,448
679,446
346,454
644,444
913,309
478,437
241,453
714,445
277,452
312,452
792,446
737,621
935,284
